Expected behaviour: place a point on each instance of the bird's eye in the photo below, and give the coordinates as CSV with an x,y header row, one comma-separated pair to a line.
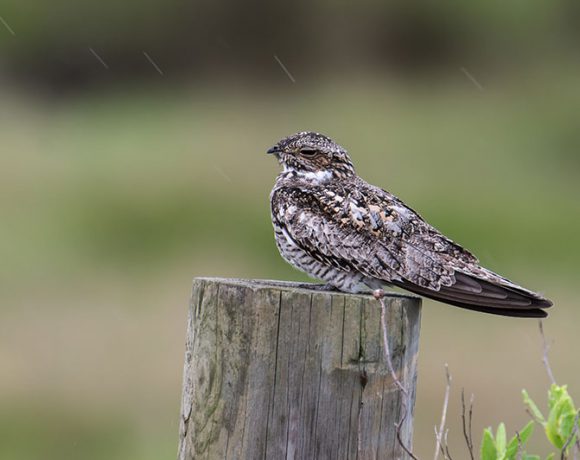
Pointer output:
x,y
308,151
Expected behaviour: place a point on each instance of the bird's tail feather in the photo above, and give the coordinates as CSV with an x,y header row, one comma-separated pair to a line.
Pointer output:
x,y
484,296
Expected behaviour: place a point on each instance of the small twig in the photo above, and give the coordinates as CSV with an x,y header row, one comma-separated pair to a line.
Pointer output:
x,y
471,399
439,434
447,454
520,447
442,449
546,349
533,417
439,444
444,446
467,433
563,456
379,294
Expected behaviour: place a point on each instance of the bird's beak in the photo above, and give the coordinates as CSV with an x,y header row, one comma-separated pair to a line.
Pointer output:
x,y
273,150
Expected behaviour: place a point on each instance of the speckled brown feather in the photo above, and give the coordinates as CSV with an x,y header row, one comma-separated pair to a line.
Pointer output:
x,y
333,225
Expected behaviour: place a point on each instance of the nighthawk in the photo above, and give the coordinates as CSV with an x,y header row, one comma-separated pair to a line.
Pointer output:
x,y
356,237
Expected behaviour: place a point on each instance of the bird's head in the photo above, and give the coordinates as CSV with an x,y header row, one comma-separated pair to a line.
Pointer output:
x,y
313,155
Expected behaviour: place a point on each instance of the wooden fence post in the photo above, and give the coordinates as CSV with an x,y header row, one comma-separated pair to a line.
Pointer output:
x,y
279,370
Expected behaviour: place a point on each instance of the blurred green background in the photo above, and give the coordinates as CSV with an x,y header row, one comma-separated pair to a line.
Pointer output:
x,y
120,181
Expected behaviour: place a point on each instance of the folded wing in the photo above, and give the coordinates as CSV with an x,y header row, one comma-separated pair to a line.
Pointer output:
x,y
366,229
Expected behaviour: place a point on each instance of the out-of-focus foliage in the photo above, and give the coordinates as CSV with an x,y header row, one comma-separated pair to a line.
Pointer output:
x,y
560,425
112,201
125,183
52,39
561,429
499,448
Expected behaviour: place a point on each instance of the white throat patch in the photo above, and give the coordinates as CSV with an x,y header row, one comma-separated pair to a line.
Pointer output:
x,y
318,177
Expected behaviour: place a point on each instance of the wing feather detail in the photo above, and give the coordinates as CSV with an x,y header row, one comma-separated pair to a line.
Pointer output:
x,y
355,226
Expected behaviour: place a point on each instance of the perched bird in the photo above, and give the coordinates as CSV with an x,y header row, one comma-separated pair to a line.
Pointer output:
x,y
336,227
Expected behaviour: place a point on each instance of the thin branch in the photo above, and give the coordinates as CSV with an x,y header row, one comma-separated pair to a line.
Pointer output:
x,y
520,447
379,294
439,444
447,453
439,434
546,349
471,399
533,417
444,446
563,456
467,433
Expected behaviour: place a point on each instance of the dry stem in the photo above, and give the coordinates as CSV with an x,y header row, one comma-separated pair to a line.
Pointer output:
x,y
467,433
520,450
439,433
545,349
379,294
563,456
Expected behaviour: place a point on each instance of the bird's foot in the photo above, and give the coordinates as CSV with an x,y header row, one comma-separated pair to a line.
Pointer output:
x,y
328,288
378,294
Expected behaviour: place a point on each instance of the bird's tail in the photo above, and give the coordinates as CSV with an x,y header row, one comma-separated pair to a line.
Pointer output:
x,y
494,294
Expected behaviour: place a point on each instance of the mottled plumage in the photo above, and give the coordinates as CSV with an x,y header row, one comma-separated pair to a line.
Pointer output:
x,y
336,227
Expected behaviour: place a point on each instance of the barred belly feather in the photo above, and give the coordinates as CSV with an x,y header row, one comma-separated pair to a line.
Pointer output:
x,y
342,279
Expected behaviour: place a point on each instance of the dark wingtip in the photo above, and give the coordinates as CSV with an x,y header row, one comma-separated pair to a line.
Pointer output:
x,y
542,303
513,312
535,313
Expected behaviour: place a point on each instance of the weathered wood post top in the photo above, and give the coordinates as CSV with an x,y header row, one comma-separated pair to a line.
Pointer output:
x,y
277,370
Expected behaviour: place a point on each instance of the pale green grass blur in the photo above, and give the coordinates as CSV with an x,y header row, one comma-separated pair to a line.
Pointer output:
x,y
112,202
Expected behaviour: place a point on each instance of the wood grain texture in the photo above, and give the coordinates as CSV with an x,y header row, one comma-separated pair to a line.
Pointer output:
x,y
288,371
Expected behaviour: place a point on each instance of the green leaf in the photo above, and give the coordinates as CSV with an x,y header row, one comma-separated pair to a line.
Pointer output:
x,y
530,457
525,433
550,457
533,408
500,441
488,450
555,394
512,448
567,421
561,418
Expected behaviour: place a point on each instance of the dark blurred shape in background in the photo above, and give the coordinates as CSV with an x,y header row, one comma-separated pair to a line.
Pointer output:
x,y
132,158
204,38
